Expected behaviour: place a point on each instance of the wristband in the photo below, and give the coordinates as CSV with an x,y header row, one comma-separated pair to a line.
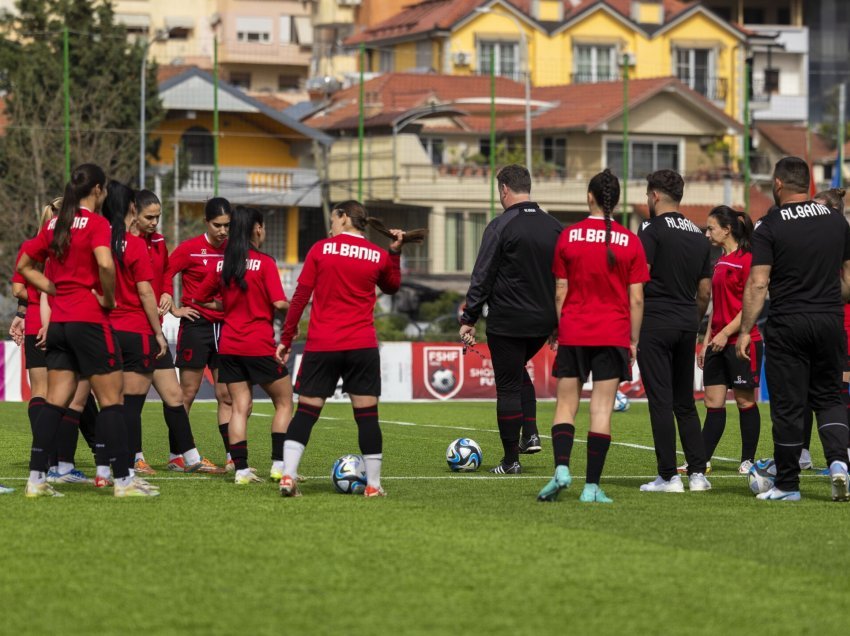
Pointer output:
x,y
22,303
21,315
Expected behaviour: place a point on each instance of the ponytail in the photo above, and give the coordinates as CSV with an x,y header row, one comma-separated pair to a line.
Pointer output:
x,y
83,181
119,198
605,188
242,222
833,198
739,224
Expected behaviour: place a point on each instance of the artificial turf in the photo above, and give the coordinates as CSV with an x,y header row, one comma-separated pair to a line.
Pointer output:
x,y
443,553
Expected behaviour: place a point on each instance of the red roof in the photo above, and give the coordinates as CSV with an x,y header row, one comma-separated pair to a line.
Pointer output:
x,y
271,100
790,139
166,71
672,8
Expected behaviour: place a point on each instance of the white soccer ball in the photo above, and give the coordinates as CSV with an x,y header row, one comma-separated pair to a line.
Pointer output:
x,y
762,476
464,455
621,402
349,475
443,380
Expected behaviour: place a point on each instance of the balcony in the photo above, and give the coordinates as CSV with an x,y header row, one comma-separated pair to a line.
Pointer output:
x,y
235,52
712,88
587,77
254,186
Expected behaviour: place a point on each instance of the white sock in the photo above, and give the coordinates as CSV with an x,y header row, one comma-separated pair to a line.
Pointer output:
x,y
132,473
140,456
292,452
65,467
53,469
229,458
191,457
103,471
37,477
373,469
172,457
277,465
124,481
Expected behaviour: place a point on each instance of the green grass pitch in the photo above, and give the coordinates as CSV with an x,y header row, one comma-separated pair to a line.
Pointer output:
x,y
442,554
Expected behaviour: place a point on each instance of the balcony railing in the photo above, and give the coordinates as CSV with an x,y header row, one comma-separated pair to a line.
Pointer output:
x,y
259,186
587,77
713,88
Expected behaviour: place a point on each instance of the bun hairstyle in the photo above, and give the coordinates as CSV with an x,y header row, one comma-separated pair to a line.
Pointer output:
x,y
739,223
119,198
833,198
49,211
84,178
242,222
605,188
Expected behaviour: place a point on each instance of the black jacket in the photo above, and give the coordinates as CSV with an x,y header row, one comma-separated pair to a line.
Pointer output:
x,y
513,274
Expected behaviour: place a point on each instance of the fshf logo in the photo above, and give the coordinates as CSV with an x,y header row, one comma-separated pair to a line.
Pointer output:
x,y
443,370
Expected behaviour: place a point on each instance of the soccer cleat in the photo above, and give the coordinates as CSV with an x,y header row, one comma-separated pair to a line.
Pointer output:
x,y
674,484
41,490
102,482
698,483
774,494
745,466
136,488
230,466
143,468
592,493
275,474
507,469
530,445
73,476
289,487
53,475
683,469
207,467
245,477
177,465
824,472
838,477
374,492
145,483
559,482
5,490
806,460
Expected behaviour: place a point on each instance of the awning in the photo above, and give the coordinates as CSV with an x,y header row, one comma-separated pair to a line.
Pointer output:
x,y
179,22
133,20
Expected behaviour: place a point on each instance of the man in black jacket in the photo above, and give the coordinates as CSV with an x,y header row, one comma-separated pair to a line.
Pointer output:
x,y
513,276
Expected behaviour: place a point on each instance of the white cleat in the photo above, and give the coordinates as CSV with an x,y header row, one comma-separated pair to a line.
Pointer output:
x,y
774,494
698,483
674,484
745,466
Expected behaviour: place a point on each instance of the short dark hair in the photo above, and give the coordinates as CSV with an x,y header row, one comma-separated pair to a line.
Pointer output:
x,y
793,172
516,177
668,182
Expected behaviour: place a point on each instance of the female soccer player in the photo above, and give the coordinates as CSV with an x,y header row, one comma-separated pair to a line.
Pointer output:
x,y
80,342
722,370
250,291
200,325
340,273
600,268
183,455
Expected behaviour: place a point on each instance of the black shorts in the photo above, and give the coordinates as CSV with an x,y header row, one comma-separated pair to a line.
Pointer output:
x,y
197,344
252,369
605,363
165,362
724,367
138,351
360,370
35,357
87,348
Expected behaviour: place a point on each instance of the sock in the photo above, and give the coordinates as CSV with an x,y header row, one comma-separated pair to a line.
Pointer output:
x,y
172,456
373,469
277,446
112,429
180,437
563,436
277,465
133,405
712,429
139,457
87,422
369,431
750,429
301,425
67,436
597,449
528,397
172,443
34,408
65,467
239,453
44,436
123,481
292,452
191,456
37,477
222,429
510,423
103,471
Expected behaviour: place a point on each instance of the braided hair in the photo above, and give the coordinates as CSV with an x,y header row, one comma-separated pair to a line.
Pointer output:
x,y
605,188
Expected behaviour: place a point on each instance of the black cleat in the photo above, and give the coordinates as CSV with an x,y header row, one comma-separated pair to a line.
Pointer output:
x,y
530,445
507,469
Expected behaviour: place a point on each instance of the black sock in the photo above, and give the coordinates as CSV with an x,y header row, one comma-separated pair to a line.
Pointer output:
x,y
44,436
712,430
67,436
133,405
368,430
808,420
302,423
87,422
277,446
180,437
563,436
34,408
222,430
528,397
750,429
597,449
239,454
510,423
112,433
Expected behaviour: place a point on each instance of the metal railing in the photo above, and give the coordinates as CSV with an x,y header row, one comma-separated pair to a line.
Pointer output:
x,y
262,186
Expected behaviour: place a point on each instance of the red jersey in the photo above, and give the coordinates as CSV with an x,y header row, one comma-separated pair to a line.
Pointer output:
x,y
248,315
158,254
128,314
194,259
32,323
597,312
77,274
727,292
341,273
846,325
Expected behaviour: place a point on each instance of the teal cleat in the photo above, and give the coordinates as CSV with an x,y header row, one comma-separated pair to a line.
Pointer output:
x,y
559,482
592,493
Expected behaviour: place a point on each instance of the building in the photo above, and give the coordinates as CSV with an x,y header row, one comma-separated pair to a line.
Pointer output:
x,y
774,140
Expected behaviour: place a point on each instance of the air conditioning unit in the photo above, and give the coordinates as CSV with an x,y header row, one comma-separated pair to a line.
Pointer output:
x,y
349,3
462,58
630,58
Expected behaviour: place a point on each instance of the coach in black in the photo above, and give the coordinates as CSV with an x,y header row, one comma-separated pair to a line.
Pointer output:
x,y
801,254
675,299
513,276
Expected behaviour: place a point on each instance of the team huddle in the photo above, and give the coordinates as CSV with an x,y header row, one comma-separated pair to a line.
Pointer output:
x,y
95,283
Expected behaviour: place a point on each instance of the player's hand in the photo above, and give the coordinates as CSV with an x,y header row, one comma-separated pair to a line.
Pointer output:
x,y
16,330
553,340
633,347
701,359
467,335
165,304
103,301
719,341
41,338
742,349
282,354
395,246
186,312
163,345
51,288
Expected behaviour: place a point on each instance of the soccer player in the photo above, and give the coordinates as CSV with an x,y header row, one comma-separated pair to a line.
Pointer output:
x,y
598,264
513,276
676,298
340,273
80,342
798,251
250,290
183,455
200,324
722,370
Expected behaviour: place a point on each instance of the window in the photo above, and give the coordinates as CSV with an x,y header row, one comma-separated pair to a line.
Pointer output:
x,y
754,15
287,31
644,157
505,56
463,237
595,64
240,79
424,58
197,143
434,148
555,151
286,82
695,67
254,30
484,147
386,61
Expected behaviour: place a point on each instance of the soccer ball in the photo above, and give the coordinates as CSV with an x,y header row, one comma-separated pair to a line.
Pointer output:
x,y
349,475
621,402
464,455
762,476
443,380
